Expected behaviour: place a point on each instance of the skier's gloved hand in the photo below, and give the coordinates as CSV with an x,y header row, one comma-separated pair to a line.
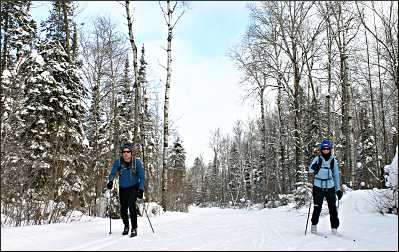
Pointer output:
x,y
339,194
110,184
140,194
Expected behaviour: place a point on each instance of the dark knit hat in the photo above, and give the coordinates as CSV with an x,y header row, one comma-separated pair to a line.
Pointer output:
x,y
127,146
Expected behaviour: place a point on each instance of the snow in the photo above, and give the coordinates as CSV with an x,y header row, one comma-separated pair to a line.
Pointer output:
x,y
37,57
6,74
86,142
45,74
392,170
361,228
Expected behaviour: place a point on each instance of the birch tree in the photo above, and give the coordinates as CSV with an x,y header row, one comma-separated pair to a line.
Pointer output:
x,y
137,117
168,12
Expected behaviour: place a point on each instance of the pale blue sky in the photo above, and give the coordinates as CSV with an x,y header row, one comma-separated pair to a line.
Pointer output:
x,y
204,91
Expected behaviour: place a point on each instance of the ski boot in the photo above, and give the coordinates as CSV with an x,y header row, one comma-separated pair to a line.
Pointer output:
x,y
313,229
125,230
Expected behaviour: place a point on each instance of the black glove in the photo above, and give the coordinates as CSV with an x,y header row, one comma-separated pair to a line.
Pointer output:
x,y
339,194
140,194
110,184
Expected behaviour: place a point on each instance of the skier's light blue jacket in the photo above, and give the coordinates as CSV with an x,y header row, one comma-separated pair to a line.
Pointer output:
x,y
326,173
126,178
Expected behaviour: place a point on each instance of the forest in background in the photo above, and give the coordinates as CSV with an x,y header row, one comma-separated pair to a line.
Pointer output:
x,y
70,97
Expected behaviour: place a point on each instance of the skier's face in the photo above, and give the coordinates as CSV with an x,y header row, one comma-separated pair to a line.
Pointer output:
x,y
325,150
127,154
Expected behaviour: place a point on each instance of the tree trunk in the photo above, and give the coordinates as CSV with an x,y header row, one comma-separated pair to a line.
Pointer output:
x,y
114,112
329,79
381,96
281,142
137,87
373,115
4,54
166,107
297,128
66,29
263,132
347,114
346,105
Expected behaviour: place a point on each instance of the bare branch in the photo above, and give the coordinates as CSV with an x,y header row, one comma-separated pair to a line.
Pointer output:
x,y
163,12
178,19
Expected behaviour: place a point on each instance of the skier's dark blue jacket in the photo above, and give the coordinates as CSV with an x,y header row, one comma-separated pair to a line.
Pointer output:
x,y
126,178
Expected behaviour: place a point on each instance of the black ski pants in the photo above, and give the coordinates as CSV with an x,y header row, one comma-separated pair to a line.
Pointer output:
x,y
127,198
318,197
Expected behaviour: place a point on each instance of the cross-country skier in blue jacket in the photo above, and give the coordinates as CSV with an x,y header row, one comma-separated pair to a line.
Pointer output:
x,y
325,184
131,186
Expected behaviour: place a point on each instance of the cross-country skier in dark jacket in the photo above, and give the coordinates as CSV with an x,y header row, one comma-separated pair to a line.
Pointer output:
x,y
131,186
325,184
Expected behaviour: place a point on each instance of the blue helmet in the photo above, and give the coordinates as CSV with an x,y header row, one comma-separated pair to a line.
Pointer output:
x,y
326,144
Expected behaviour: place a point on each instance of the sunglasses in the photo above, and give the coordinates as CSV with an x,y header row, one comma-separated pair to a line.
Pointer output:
x,y
126,151
326,149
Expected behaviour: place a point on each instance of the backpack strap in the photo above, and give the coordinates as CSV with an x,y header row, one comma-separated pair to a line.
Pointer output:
x,y
316,166
332,164
120,165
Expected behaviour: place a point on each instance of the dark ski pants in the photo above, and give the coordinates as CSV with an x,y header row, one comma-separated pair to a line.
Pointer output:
x,y
127,197
318,196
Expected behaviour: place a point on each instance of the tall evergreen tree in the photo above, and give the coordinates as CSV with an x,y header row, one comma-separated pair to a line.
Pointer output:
x,y
52,130
124,107
148,133
18,33
234,174
58,26
177,174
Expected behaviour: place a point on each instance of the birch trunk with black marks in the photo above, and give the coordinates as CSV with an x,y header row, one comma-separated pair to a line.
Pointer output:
x,y
168,15
166,108
136,87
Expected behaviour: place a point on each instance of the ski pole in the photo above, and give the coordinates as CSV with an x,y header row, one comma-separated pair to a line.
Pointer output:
x,y
147,216
109,210
307,220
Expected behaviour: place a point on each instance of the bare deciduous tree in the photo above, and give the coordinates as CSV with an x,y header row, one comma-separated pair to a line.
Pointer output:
x,y
137,117
171,23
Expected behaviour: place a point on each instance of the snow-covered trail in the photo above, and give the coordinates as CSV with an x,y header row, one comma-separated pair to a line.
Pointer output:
x,y
218,229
